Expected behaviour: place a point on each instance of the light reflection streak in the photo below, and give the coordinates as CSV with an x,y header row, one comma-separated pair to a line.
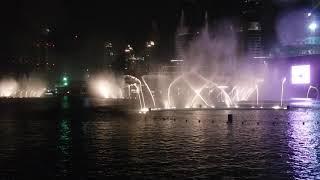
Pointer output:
x,y
303,143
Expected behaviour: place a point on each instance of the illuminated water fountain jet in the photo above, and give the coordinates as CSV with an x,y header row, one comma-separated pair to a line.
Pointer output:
x,y
140,90
314,88
25,88
153,100
169,89
282,90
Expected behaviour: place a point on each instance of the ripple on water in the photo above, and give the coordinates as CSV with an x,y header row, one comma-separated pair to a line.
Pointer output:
x,y
268,144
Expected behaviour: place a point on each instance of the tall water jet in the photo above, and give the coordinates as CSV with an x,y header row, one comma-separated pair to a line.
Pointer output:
x,y
282,90
257,91
129,91
23,88
8,87
206,25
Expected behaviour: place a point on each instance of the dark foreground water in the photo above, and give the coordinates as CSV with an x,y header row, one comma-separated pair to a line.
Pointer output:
x,y
66,140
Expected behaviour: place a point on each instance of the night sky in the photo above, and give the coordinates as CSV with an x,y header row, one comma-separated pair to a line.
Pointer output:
x,y
84,26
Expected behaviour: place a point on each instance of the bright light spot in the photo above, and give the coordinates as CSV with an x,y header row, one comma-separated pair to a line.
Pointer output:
x,y
102,88
276,107
105,86
313,26
166,105
198,91
65,79
222,87
144,110
309,14
304,103
300,74
8,88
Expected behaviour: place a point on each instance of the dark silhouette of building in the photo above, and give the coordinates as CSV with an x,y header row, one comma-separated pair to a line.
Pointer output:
x,y
252,28
109,55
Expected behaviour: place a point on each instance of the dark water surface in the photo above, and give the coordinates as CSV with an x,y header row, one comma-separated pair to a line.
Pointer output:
x,y
66,140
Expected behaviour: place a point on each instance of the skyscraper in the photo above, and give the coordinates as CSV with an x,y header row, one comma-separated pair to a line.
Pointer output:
x,y
252,28
109,55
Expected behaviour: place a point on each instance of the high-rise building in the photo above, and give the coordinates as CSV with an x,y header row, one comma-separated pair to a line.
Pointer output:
x,y
109,55
304,44
252,28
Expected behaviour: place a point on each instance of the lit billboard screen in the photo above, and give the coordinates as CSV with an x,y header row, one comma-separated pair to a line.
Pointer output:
x,y
300,74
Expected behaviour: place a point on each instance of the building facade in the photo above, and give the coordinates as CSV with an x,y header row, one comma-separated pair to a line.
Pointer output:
x,y
251,28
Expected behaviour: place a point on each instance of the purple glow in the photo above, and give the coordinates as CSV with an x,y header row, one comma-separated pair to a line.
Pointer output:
x,y
300,74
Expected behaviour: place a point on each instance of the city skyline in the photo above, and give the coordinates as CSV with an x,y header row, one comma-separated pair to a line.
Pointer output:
x,y
76,31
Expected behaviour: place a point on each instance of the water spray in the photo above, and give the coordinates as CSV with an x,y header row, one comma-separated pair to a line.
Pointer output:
x,y
282,90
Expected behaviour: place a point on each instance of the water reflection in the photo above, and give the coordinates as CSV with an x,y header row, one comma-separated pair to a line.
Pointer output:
x,y
64,146
65,102
304,144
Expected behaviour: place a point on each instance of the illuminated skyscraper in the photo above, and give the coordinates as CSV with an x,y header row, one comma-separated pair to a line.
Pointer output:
x,y
252,28
307,41
109,55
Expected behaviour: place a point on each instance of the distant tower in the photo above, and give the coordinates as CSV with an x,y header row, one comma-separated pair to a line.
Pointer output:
x,y
109,55
43,49
252,28
206,26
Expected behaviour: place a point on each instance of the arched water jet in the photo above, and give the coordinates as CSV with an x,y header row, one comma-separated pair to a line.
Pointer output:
x,y
169,88
139,96
227,97
140,90
310,88
198,94
153,100
195,96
